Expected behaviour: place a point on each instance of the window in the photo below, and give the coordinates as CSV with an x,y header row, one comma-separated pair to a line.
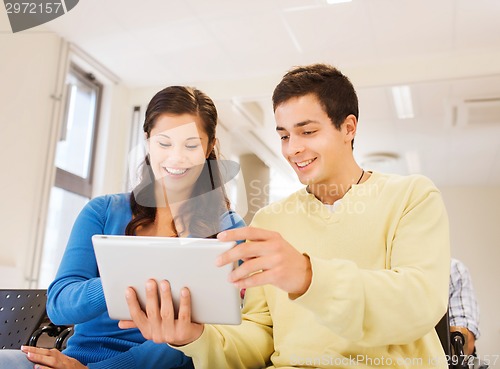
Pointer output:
x,y
137,150
74,163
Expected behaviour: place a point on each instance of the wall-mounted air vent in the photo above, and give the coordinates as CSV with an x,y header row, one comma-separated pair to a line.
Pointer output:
x,y
477,111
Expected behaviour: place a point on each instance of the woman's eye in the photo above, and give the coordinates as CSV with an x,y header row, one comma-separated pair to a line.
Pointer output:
x,y
164,144
192,147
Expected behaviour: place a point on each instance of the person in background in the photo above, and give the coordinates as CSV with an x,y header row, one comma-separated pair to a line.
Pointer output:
x,y
181,194
351,270
463,309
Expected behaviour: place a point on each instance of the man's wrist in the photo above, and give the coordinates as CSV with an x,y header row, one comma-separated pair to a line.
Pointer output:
x,y
307,279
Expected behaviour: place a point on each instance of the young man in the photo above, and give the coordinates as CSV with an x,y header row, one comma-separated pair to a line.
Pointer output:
x,y
352,270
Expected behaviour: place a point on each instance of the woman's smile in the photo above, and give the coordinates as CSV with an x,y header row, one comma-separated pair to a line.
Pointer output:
x,y
176,172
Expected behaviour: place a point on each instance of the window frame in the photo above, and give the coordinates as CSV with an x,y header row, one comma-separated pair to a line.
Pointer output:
x,y
70,181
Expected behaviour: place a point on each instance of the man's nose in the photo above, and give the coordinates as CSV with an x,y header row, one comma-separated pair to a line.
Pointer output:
x,y
295,145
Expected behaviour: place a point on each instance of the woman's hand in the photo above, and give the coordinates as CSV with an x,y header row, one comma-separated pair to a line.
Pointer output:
x,y
50,359
158,322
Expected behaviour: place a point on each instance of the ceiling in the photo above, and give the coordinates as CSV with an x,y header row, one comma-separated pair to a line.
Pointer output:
x,y
447,51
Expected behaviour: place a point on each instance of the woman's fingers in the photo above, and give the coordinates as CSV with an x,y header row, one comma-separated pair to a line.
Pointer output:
x,y
185,307
158,321
127,324
186,331
140,319
51,359
167,306
167,312
152,302
40,355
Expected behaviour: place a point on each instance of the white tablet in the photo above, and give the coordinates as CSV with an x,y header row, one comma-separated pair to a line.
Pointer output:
x,y
185,262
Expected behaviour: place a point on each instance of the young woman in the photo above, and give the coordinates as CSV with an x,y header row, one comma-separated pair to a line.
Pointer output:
x,y
181,194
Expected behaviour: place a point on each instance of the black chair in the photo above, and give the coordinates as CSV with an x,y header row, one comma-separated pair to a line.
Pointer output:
x,y
23,320
453,346
21,313
58,333
443,331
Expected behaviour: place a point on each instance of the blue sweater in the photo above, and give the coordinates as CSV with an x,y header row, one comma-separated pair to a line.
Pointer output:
x,y
76,296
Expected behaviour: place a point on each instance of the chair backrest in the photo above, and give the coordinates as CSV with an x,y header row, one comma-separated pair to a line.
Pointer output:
x,y
443,331
21,313
452,344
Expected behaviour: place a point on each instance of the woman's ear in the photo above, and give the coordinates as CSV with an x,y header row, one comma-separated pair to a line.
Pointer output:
x,y
146,142
210,147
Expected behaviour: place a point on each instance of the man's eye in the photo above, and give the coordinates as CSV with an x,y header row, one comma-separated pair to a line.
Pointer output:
x,y
284,138
308,132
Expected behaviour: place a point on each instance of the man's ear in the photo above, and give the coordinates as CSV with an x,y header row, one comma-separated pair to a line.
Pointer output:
x,y
349,128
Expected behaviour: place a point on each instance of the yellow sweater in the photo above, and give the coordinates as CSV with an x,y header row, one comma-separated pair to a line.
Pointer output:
x,y
380,263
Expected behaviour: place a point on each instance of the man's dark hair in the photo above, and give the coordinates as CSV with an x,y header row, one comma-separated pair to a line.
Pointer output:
x,y
334,91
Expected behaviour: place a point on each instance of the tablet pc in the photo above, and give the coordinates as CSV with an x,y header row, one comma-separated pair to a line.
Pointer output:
x,y
185,262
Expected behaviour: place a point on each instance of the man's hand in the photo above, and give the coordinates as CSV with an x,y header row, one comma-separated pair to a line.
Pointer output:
x,y
268,259
158,322
470,340
51,359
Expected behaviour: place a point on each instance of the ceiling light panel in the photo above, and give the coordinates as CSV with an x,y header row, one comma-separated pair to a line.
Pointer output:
x,y
403,103
331,2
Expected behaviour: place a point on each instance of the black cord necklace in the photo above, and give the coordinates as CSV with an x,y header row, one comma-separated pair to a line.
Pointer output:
x,y
359,180
362,174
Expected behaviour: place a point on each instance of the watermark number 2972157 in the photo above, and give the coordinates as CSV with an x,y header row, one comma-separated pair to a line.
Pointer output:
x,y
24,14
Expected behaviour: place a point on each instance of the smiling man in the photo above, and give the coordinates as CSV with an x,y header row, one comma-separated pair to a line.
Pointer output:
x,y
351,270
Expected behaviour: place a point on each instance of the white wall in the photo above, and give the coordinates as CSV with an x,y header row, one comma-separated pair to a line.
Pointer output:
x,y
474,214
28,69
